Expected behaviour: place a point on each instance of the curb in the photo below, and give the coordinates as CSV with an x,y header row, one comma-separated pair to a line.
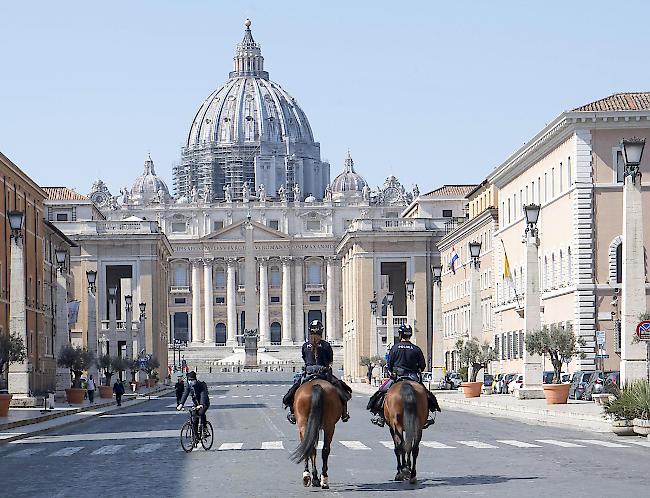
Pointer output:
x,y
66,423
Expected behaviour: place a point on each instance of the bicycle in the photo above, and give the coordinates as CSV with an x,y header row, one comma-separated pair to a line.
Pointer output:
x,y
189,439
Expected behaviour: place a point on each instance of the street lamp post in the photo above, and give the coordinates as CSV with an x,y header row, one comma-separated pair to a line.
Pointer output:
x,y
633,356
62,337
390,326
532,305
435,340
19,373
475,316
374,339
131,346
410,288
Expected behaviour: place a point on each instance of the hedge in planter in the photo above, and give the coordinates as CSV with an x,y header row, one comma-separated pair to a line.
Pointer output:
x,y
623,409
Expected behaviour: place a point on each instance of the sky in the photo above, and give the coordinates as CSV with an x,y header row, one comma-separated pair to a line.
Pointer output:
x,y
433,92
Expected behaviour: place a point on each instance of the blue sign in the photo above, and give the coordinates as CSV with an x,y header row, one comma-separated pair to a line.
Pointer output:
x,y
602,356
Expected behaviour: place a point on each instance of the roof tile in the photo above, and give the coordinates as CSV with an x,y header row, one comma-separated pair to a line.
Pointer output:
x,y
450,191
633,101
63,194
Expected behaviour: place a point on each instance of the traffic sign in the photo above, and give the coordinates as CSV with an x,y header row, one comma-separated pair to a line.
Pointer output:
x,y
600,336
643,330
602,356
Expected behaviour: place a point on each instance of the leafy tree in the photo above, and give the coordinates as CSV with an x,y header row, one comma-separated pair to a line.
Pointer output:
x,y
378,360
105,363
476,355
120,364
150,366
76,359
12,350
366,361
557,341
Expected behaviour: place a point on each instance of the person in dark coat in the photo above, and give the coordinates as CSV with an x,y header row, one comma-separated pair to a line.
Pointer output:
x,y
405,361
199,392
318,357
118,389
179,387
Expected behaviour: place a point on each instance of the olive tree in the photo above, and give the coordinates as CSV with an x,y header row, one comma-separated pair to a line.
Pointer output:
x,y
12,350
557,341
76,359
475,355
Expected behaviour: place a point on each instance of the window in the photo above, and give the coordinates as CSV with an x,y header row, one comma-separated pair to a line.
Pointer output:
x,y
178,227
545,187
569,266
275,299
220,278
569,180
276,277
312,226
561,269
539,190
619,263
219,300
314,299
552,183
314,276
274,224
61,217
180,276
509,212
521,344
561,178
515,349
446,213
179,300
620,167
217,225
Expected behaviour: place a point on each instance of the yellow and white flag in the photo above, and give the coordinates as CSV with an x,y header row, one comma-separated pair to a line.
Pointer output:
x,y
507,276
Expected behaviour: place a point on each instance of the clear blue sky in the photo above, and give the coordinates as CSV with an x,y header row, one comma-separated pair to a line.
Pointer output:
x,y
434,92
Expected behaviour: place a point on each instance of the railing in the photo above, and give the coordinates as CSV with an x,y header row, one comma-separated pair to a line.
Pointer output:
x,y
453,223
314,287
179,289
392,225
120,324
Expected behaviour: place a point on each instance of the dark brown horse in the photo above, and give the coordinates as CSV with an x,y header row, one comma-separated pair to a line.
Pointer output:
x,y
317,406
406,410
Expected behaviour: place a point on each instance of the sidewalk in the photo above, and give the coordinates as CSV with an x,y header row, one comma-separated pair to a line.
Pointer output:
x,y
26,422
582,415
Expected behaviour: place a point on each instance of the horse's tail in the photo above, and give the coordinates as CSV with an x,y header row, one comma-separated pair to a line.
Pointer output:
x,y
308,443
410,421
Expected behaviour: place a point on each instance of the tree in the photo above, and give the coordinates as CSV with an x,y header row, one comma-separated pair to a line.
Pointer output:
x,y
76,359
12,350
105,363
150,366
119,364
476,355
557,341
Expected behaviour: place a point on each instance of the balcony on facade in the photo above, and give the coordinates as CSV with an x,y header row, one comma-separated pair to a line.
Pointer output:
x,y
180,289
120,326
100,227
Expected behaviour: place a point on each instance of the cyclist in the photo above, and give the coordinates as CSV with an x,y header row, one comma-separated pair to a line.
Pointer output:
x,y
199,392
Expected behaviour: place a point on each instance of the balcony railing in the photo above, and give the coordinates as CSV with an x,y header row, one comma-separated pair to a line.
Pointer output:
x,y
179,289
314,287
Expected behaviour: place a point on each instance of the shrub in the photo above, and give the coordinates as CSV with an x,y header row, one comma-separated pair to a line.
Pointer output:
x,y
12,350
76,359
558,342
476,355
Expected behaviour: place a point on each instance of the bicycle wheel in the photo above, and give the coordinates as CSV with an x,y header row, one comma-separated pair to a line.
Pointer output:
x,y
208,436
187,437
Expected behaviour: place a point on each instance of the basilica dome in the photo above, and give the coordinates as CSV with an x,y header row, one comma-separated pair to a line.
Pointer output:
x,y
148,186
348,181
249,107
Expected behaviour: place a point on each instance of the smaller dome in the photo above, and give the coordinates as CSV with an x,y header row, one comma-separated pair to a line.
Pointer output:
x,y
147,187
310,199
349,181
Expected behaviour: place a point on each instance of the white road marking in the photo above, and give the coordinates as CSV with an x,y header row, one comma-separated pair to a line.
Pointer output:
x,y
319,445
26,452
354,445
64,452
148,448
563,444
234,396
640,443
141,414
222,397
598,442
389,444
110,449
231,446
272,395
246,396
435,444
259,396
477,444
101,436
272,445
518,444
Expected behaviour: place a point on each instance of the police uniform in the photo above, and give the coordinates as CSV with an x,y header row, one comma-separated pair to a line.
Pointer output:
x,y
406,360
321,355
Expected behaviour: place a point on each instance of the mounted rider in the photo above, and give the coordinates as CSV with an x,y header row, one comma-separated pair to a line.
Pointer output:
x,y
318,357
405,361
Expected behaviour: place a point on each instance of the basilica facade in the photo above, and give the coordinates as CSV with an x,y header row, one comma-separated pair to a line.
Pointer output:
x,y
282,190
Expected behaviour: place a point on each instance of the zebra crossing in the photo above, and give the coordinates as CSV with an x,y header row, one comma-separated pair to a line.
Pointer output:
x,y
45,450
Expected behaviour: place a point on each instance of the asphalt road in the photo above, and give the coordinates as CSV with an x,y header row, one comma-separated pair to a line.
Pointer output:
x,y
136,453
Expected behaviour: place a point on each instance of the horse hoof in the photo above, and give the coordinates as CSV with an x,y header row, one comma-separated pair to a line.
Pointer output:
x,y
325,483
413,480
306,480
399,477
315,483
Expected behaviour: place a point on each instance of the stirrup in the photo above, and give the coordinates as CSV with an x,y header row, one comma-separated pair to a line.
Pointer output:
x,y
345,417
378,421
429,423
291,418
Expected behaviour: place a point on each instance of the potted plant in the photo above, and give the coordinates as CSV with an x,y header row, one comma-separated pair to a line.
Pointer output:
x,y
119,365
149,367
560,343
622,410
641,395
76,359
12,350
477,356
105,363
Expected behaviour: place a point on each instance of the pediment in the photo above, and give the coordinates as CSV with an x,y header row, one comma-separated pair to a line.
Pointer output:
x,y
236,232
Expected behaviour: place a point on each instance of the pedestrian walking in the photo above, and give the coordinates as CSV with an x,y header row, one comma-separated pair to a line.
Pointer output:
x,y
118,389
179,388
184,365
91,389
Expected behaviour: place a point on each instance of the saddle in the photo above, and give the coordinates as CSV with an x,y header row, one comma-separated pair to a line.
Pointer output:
x,y
313,372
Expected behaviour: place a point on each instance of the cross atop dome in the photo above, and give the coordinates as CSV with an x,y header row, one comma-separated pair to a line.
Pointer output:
x,y
248,57
349,164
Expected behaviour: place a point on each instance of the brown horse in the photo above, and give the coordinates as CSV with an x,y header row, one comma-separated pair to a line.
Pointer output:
x,y
317,406
406,410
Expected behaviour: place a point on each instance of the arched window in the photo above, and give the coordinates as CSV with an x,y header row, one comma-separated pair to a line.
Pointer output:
x,y
220,278
220,334
276,333
552,282
561,269
180,275
569,266
546,273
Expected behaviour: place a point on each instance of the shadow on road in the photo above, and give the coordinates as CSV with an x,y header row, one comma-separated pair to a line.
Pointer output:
x,y
432,483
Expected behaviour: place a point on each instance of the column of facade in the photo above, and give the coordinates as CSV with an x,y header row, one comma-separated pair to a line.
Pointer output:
x,y
197,334
231,304
532,318
299,318
19,373
286,302
437,361
208,297
265,338
330,296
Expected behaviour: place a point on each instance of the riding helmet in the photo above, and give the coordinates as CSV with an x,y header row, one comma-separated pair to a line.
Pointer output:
x,y
191,375
405,330
316,327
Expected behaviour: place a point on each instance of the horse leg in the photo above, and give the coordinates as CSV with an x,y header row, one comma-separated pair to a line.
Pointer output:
x,y
327,442
306,476
315,481
399,453
416,451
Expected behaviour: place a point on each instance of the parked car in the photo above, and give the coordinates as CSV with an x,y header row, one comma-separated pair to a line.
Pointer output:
x,y
516,382
579,383
505,380
547,377
426,377
456,379
612,379
496,383
594,385
566,378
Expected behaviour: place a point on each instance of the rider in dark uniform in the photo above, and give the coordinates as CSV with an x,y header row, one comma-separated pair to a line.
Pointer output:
x,y
318,357
405,360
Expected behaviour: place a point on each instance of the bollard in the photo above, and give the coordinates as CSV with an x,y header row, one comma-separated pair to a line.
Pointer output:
x,y
210,369
294,369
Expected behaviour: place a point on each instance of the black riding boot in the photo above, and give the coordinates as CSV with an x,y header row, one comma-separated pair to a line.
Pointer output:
x,y
290,416
345,416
